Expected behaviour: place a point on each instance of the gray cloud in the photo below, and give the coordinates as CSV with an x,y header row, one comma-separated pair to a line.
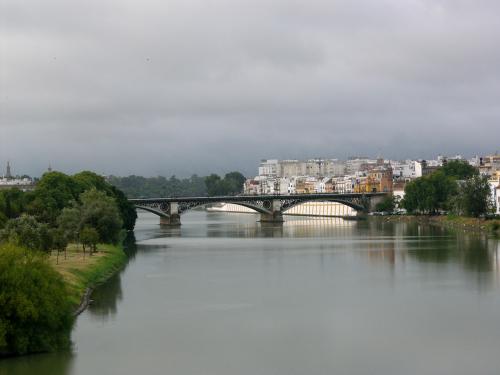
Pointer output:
x,y
162,87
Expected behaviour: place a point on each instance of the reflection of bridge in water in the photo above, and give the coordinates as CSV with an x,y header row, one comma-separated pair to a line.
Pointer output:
x,y
270,207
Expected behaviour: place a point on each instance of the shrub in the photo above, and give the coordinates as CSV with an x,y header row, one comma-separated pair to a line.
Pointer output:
x,y
35,314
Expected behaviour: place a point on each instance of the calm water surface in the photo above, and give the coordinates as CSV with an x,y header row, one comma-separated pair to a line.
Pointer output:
x,y
225,295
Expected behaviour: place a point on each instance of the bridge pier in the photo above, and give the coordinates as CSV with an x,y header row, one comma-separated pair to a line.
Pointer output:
x,y
174,218
274,214
275,217
171,221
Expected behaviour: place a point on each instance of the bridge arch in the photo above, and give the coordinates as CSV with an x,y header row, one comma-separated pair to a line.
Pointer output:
x,y
155,211
355,206
257,209
182,209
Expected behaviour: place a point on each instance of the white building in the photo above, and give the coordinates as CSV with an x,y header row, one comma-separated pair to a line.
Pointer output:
x,y
403,170
495,191
269,168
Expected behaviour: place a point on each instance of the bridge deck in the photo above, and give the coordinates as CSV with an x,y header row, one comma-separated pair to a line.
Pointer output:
x,y
237,198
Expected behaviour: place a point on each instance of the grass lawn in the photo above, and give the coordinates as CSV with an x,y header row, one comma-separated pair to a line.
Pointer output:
x,y
81,271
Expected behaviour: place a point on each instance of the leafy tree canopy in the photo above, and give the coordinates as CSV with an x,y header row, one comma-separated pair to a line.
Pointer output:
x,y
56,191
35,313
459,169
231,184
429,194
101,212
474,197
27,232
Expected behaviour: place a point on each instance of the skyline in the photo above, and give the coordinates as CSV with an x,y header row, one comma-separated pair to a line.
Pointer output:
x,y
253,171
162,88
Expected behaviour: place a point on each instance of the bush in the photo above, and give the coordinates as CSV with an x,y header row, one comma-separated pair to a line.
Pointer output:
x,y
27,232
495,226
35,314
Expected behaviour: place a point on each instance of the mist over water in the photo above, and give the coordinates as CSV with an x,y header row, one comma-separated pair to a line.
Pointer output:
x,y
224,294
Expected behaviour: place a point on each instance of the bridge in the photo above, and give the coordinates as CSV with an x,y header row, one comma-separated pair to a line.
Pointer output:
x,y
270,207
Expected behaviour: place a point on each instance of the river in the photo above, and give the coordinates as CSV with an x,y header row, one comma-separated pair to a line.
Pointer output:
x,y
224,295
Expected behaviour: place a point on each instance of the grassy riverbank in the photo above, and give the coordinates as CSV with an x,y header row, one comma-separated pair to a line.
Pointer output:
x,y
82,271
490,226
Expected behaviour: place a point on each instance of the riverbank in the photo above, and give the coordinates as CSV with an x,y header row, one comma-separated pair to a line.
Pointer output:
x,y
83,272
478,225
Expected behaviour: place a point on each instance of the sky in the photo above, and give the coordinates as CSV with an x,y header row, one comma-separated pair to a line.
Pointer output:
x,y
162,87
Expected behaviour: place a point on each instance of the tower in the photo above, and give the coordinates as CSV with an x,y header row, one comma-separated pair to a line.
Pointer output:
x,y
8,174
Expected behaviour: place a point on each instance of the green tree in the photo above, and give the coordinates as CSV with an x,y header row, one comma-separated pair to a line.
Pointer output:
x,y
213,184
429,194
12,203
388,204
231,184
87,180
474,197
236,181
60,241
142,187
460,169
89,237
35,313
100,211
70,221
27,232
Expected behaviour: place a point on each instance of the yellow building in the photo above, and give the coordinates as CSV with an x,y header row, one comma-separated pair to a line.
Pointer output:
x,y
378,179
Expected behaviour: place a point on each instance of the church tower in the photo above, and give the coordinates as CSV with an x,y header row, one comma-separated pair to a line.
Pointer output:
x,y
8,175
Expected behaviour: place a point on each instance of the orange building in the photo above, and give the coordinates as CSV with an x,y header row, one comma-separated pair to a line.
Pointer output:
x,y
378,179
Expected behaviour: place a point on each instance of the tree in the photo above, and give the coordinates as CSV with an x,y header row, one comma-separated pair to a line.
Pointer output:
x,y
127,209
35,313
213,184
429,194
27,232
474,197
231,184
89,237
236,181
388,204
54,191
60,242
460,169
142,187
70,221
87,180
12,203
101,213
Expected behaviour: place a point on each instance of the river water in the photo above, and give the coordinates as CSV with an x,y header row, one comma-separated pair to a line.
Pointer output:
x,y
224,295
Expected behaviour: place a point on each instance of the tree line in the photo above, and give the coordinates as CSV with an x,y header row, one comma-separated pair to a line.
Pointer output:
x,y
153,187
35,312
456,187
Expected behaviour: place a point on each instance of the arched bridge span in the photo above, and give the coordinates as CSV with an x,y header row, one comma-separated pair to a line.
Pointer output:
x,y
270,207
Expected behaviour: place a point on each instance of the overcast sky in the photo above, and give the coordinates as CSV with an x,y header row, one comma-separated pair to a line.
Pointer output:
x,y
178,86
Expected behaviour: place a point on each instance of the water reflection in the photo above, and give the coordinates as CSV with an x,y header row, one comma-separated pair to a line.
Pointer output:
x,y
105,297
39,364
224,294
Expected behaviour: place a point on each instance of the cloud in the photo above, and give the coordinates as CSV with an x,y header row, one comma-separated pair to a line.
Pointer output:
x,y
162,87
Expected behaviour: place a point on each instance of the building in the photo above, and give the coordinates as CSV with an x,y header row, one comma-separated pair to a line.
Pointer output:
x,y
403,170
494,182
9,181
290,168
424,168
379,179
489,165
8,174
269,168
